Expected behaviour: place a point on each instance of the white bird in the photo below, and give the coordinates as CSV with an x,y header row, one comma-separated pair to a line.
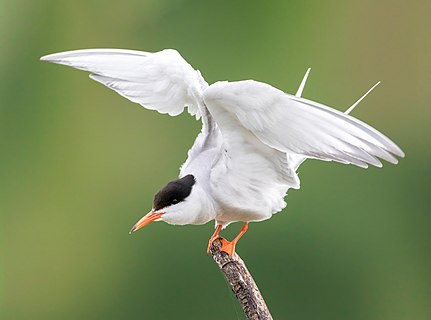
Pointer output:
x,y
253,137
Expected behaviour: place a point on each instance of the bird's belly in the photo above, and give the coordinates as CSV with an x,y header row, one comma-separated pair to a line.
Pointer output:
x,y
228,215
253,204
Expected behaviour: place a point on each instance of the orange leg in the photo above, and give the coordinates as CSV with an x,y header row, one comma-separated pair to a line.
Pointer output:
x,y
213,237
229,247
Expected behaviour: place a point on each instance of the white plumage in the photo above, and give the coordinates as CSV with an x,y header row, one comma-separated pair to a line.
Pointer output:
x,y
253,136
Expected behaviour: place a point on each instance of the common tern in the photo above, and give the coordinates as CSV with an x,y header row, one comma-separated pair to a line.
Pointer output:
x,y
253,137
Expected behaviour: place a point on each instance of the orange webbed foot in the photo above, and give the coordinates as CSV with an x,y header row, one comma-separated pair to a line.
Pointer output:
x,y
228,246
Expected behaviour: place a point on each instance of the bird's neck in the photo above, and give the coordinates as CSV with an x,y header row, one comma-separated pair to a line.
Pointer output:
x,y
202,205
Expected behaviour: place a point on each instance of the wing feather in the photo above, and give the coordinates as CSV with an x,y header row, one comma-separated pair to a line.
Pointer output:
x,y
161,81
301,127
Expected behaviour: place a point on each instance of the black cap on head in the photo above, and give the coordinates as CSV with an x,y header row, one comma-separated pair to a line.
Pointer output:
x,y
174,192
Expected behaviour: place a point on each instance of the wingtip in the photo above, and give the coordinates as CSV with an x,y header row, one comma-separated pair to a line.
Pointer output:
x,y
49,58
378,165
396,150
60,57
400,153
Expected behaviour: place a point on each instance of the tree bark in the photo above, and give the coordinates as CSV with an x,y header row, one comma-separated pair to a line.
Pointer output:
x,y
241,282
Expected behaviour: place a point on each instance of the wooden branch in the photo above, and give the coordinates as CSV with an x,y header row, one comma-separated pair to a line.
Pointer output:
x,y
241,282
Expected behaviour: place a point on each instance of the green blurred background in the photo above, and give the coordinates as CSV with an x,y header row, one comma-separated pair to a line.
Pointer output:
x,y
79,164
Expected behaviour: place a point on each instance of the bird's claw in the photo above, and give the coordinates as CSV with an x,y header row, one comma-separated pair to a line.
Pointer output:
x,y
210,242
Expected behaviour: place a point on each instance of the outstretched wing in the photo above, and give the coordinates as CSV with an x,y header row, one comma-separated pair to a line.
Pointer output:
x,y
161,81
299,126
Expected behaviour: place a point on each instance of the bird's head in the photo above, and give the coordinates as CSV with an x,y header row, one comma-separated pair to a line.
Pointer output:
x,y
172,204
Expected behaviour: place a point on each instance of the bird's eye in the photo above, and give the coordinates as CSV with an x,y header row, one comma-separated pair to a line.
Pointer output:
x,y
175,201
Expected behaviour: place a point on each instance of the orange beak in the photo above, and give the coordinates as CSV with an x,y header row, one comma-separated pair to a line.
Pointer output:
x,y
147,219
